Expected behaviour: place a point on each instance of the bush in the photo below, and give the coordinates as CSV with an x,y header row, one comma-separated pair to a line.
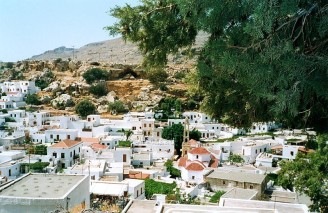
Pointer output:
x,y
41,150
85,108
216,197
117,107
99,89
235,158
33,99
179,75
173,171
157,76
9,65
69,103
153,187
124,143
163,87
9,119
38,166
4,111
95,74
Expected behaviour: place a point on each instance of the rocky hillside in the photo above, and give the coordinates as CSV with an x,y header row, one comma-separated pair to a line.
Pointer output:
x,y
63,84
114,51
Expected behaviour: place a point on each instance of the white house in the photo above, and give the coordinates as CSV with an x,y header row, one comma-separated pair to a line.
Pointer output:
x,y
53,135
65,152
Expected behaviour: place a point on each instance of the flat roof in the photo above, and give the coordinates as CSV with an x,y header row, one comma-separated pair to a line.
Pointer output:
x,y
256,204
239,193
41,186
152,206
246,177
133,182
108,188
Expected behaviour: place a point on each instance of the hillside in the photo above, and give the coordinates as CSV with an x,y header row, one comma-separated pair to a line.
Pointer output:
x,y
114,51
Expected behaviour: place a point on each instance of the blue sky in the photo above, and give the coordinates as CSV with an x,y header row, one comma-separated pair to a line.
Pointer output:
x,y
30,27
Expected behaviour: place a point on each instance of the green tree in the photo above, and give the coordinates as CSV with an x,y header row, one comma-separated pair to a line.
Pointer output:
x,y
33,99
263,60
41,150
308,174
95,74
173,171
117,107
99,89
128,133
85,108
235,158
153,187
157,76
195,134
174,132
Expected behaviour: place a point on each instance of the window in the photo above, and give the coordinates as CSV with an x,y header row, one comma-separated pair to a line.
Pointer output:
x,y
160,149
71,154
260,150
255,151
62,155
223,182
193,177
54,154
124,157
68,137
251,186
197,156
265,149
51,136
149,125
145,125
134,128
291,153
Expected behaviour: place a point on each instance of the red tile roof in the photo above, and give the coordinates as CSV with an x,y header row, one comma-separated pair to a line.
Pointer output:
x,y
89,140
195,166
199,151
193,143
98,146
304,150
277,147
65,144
182,161
138,175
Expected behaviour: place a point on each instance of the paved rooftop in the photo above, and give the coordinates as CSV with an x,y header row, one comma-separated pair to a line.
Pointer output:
x,y
41,186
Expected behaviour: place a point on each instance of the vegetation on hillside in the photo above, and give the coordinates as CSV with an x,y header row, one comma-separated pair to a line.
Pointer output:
x,y
85,108
263,60
95,74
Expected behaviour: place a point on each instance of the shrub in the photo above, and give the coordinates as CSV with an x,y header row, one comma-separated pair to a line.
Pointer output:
x,y
4,111
33,99
85,108
179,75
9,119
99,89
124,143
173,171
95,74
69,103
9,65
163,87
117,107
157,76
216,197
153,187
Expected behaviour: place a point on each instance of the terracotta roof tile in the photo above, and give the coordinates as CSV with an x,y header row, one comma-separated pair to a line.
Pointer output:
x,y
98,146
304,150
195,166
65,144
199,151
89,140
182,161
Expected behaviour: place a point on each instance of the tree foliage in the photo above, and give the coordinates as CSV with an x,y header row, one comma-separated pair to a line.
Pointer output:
x,y
263,60
33,99
95,74
309,174
235,158
99,89
117,107
173,171
195,134
85,108
153,187
174,132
